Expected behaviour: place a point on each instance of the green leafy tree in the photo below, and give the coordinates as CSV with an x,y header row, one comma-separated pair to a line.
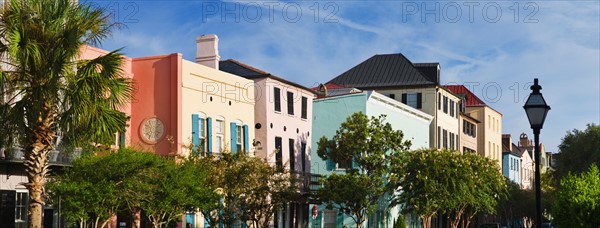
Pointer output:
x,y
98,187
445,181
577,202
367,145
517,204
250,190
45,88
578,150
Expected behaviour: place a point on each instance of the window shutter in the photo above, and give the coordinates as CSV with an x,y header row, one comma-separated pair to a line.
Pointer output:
x,y
122,139
330,165
304,113
393,96
195,134
355,164
292,151
404,98
233,137
246,138
419,100
209,135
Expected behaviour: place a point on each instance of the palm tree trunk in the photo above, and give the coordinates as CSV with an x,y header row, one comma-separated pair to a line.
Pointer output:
x,y
39,143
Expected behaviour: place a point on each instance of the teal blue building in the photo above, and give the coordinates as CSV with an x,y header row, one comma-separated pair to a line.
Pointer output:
x,y
330,112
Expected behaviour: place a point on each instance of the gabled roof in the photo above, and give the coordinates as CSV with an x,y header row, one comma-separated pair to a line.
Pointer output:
x,y
516,150
470,98
238,68
390,70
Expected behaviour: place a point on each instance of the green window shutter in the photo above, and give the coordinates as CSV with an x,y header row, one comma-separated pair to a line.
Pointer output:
x,y
209,135
419,100
233,137
246,148
330,164
404,98
195,134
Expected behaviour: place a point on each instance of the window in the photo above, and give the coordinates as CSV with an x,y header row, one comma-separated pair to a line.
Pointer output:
x,y
290,103
445,135
304,113
303,158
391,95
219,129
412,99
456,142
451,140
21,209
330,218
238,137
292,155
439,101
497,126
277,99
278,157
489,121
452,108
445,104
202,134
439,138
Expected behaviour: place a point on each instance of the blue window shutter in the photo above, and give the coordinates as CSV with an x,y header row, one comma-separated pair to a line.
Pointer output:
x,y
195,134
246,138
355,164
209,135
330,165
122,139
233,127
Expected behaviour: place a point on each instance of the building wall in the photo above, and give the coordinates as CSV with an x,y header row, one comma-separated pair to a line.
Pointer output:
x,y
511,167
219,95
489,132
431,106
330,112
283,124
157,94
467,141
527,171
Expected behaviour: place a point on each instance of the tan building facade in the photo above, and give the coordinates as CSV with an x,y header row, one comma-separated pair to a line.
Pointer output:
x,y
468,135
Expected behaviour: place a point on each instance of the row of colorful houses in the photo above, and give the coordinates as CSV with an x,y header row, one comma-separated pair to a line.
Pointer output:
x,y
217,105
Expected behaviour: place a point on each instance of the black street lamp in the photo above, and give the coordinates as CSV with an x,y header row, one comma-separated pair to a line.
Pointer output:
x,y
537,109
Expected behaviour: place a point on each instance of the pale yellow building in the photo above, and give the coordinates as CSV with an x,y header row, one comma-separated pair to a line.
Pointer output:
x,y
489,128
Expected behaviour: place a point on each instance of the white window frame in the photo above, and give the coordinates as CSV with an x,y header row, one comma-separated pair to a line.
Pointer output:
x,y
21,208
239,135
219,134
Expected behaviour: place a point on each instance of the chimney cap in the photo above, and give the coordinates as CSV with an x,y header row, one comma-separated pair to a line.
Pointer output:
x,y
207,37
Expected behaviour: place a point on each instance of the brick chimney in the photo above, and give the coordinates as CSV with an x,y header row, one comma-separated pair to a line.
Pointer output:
x,y
524,140
207,50
507,142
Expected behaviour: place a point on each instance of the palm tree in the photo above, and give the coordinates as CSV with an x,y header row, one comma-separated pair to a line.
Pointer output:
x,y
47,89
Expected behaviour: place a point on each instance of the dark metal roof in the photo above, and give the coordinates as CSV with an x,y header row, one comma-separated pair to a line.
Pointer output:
x,y
390,70
238,68
235,67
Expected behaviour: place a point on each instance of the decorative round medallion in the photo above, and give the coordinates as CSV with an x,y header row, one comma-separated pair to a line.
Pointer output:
x,y
152,129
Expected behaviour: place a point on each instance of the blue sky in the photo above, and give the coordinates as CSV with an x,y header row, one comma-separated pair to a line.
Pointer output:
x,y
495,47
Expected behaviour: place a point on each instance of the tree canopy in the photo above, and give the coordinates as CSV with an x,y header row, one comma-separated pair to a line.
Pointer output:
x,y
578,151
366,146
577,201
98,187
444,181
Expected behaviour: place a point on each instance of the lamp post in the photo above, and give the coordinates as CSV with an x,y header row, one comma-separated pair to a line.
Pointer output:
x,y
537,109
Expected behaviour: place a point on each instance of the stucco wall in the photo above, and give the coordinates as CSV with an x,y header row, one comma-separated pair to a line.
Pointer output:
x,y
215,94
430,106
281,123
489,132
157,94
467,140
